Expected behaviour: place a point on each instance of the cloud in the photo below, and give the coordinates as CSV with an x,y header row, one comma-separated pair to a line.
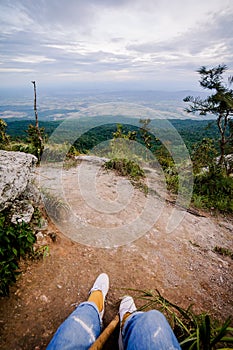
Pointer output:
x,y
108,39
15,70
32,59
207,44
13,17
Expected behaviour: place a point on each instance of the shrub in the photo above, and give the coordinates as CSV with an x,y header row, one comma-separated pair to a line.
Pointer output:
x,y
125,167
215,190
131,169
59,152
223,251
204,155
22,147
15,242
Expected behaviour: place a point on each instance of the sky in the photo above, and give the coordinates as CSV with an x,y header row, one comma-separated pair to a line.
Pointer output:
x,y
110,44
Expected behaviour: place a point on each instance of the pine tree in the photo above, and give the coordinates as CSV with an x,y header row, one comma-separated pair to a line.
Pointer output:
x,y
219,104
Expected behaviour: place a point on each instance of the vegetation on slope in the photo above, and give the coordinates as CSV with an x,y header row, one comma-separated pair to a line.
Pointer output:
x,y
193,331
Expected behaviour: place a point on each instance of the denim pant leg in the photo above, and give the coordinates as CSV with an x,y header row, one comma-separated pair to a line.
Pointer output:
x,y
79,331
148,331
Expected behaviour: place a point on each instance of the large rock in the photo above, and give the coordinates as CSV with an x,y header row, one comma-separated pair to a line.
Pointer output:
x,y
17,191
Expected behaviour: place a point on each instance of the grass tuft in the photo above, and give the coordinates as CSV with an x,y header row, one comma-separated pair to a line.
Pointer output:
x,y
129,168
193,331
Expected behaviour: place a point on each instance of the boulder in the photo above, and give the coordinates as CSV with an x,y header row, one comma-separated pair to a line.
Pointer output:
x,y
17,190
21,210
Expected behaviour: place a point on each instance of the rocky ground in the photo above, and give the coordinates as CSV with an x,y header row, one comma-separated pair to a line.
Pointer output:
x,y
181,265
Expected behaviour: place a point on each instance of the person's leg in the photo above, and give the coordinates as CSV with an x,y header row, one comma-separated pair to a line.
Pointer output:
x,y
148,331
79,330
83,326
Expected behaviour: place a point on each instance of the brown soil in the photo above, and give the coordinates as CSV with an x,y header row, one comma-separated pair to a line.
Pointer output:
x,y
181,265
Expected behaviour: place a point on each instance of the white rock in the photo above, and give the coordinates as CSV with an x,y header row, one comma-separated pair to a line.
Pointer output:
x,y
23,212
16,173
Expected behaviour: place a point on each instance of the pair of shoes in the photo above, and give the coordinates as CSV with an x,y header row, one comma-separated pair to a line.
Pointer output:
x,y
102,284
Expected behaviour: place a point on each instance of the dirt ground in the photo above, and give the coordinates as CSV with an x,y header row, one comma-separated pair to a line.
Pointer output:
x,y
181,265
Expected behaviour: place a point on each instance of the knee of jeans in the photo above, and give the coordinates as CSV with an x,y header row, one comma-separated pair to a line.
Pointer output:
x,y
155,315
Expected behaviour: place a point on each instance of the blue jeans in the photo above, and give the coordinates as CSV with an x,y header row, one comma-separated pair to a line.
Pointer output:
x,y
79,331
148,331
142,330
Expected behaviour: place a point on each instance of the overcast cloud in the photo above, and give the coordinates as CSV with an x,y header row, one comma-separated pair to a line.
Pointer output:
x,y
151,43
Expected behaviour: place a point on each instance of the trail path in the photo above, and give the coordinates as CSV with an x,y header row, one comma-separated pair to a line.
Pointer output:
x,y
181,265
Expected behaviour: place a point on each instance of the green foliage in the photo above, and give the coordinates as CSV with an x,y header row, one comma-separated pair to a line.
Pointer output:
x,y
204,155
219,104
17,128
224,251
191,131
194,332
15,242
168,166
4,138
55,152
125,167
63,152
172,181
129,168
36,140
164,158
123,145
21,147
144,131
70,162
215,190
41,252
131,135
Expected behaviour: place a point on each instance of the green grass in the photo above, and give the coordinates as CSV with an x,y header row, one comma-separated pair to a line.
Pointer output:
x,y
130,169
224,251
193,331
213,190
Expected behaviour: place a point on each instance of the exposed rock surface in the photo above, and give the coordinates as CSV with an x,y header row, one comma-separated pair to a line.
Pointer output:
x,y
17,191
92,159
183,266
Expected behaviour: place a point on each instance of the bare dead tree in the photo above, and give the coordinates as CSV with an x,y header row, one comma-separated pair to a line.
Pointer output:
x,y
36,114
37,137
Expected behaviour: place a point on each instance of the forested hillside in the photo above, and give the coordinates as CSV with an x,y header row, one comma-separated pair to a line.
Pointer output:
x,y
191,131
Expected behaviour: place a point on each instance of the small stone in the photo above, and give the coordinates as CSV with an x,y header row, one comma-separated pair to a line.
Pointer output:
x,y
39,236
53,236
44,298
23,211
59,286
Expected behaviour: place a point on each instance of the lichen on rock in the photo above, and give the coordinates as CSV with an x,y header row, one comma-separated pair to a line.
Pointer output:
x,y
17,190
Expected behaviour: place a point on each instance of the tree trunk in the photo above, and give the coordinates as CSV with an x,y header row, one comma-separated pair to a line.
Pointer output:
x,y
40,139
36,115
222,141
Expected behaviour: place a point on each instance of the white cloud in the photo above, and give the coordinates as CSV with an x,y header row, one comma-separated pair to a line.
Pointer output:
x,y
13,17
108,40
15,70
33,59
